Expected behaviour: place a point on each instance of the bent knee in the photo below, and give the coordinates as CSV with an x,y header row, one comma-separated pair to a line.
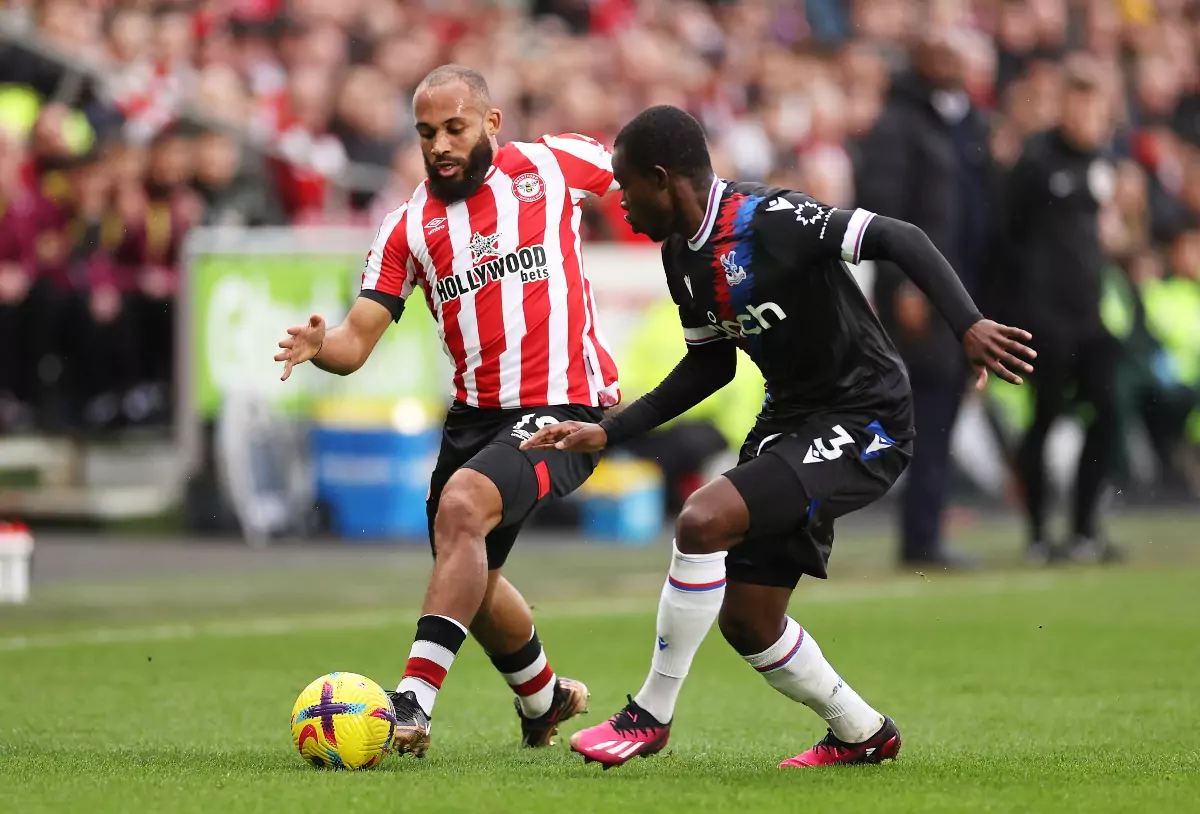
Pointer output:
x,y
469,504
701,529
746,634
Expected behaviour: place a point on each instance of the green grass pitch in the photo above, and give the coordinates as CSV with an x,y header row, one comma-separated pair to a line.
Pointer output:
x,y
1074,690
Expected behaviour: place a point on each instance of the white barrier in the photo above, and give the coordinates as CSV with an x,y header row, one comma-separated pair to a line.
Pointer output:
x,y
16,551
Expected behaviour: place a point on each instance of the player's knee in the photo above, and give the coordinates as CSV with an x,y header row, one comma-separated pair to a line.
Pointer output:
x,y
701,529
465,511
747,634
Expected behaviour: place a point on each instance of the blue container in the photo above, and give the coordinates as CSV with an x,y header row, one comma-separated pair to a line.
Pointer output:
x,y
622,503
374,481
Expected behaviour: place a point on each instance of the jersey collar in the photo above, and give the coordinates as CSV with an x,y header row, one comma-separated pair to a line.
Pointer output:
x,y
710,215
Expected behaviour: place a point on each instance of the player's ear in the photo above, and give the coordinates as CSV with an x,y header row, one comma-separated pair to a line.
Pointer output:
x,y
491,122
662,178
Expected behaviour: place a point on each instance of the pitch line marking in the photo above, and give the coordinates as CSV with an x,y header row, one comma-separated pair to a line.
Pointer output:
x,y
350,620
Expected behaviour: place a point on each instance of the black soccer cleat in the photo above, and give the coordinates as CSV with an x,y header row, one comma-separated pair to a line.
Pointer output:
x,y
570,699
412,725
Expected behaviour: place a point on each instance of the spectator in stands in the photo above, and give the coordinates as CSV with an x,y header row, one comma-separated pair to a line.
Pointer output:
x,y
1172,305
19,307
233,187
926,162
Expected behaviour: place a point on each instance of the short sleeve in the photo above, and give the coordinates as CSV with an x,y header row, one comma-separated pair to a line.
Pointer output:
x,y
696,329
388,273
794,225
586,164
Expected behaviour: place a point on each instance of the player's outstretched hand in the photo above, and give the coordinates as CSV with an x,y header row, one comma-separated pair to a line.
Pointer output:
x,y
990,345
576,436
302,343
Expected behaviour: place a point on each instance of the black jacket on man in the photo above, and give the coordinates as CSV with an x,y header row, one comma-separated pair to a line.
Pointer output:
x,y
933,171
1052,202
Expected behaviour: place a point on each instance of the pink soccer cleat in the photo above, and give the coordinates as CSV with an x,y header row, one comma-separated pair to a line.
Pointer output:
x,y
883,745
632,732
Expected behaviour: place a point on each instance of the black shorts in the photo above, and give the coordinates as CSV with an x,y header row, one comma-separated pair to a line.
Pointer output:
x,y
797,482
489,441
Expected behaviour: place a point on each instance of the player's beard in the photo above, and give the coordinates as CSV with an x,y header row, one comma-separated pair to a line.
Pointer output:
x,y
453,190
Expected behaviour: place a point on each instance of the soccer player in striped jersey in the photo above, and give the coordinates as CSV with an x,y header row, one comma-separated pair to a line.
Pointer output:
x,y
491,239
763,269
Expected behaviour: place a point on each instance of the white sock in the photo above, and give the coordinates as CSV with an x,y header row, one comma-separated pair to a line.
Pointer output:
x,y
434,647
426,694
795,666
691,598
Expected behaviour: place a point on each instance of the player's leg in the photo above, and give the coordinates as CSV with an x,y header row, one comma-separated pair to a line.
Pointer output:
x,y
764,571
746,512
475,519
469,507
754,620
713,520
504,628
504,625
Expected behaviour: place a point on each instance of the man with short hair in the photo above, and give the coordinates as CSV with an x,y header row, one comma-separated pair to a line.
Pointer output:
x,y
492,239
763,269
1054,197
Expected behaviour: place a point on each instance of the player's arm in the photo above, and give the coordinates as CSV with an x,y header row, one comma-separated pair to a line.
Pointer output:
x,y
988,345
386,282
704,370
586,164
709,364
820,232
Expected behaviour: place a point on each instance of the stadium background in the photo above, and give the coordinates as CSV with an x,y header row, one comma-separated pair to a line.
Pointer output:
x,y
182,180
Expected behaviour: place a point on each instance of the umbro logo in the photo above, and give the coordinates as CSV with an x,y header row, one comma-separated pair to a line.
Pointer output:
x,y
662,643
780,205
435,224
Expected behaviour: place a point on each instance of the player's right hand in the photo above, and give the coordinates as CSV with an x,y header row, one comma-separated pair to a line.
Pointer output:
x,y
576,436
302,343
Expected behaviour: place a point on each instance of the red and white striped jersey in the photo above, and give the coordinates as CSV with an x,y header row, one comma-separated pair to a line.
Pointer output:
x,y
503,274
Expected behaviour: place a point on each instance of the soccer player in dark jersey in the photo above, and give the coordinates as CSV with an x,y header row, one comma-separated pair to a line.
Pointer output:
x,y
762,269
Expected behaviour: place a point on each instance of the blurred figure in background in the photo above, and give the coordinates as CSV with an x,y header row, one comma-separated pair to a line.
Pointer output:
x,y
1056,191
926,162
1172,306
19,310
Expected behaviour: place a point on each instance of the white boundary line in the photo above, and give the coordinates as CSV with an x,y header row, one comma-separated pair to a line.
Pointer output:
x,y
357,620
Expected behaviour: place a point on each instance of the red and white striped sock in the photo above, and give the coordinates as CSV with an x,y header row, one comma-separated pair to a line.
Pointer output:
x,y
434,648
529,674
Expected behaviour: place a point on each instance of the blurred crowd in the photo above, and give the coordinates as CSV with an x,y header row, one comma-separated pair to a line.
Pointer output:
x,y
124,123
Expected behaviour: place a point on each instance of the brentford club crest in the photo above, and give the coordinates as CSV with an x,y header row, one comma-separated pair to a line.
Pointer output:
x,y
529,187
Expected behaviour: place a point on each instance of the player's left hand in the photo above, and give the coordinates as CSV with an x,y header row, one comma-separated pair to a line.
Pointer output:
x,y
990,345
577,436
